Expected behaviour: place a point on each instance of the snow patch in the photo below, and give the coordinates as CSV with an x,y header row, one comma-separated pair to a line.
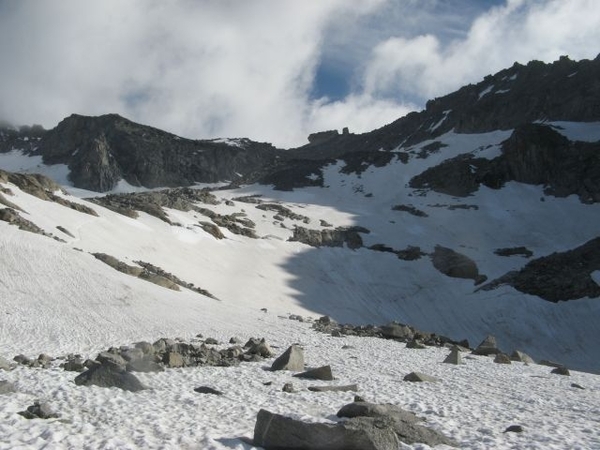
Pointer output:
x,y
577,131
486,91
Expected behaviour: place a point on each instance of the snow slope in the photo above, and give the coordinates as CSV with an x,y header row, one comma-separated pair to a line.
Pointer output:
x,y
56,298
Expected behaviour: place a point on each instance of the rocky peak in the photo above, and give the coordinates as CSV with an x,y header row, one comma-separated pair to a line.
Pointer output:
x,y
102,150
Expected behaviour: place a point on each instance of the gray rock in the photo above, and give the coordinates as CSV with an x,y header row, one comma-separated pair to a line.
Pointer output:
x,y
145,347
456,265
274,431
454,357
173,359
404,423
577,386
487,347
415,344
109,376
398,331
514,429
561,371
419,377
521,357
288,387
291,359
345,388
319,373
22,359
207,390
502,358
111,358
6,387
132,354
6,364
145,364
76,364
262,349
39,410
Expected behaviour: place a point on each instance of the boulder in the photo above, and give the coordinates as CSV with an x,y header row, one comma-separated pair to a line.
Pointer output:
x,y
398,331
456,265
319,373
521,357
111,358
415,344
454,357
173,359
561,371
487,347
291,359
419,377
404,423
502,358
145,364
274,431
108,375
262,349
39,411
288,387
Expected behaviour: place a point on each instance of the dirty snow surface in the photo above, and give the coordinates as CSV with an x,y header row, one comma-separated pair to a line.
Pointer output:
x,y
56,298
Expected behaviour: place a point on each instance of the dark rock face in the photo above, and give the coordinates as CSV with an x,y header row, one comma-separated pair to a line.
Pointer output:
x,y
39,410
102,150
559,276
533,154
456,265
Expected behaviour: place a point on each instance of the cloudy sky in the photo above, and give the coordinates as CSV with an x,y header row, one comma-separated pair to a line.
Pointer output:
x,y
270,70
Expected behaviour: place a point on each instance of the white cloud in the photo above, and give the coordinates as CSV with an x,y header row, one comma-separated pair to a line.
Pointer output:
x,y
516,31
214,68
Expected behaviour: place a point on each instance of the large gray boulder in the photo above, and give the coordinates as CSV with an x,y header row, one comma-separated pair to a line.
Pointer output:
x,y
274,431
398,331
109,375
454,357
404,423
291,359
520,356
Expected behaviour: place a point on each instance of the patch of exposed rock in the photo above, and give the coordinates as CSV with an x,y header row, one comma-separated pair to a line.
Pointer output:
x,y
13,217
557,277
534,154
151,273
330,238
455,265
514,251
410,209
282,211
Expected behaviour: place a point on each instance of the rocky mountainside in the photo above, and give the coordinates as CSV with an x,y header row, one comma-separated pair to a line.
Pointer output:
x,y
475,216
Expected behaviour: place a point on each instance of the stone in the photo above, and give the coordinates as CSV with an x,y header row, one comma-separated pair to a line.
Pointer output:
x,y
487,347
345,388
502,358
454,357
514,429
22,359
207,390
292,359
404,423
288,387
145,364
520,356
456,265
105,375
419,377
173,360
274,431
111,358
398,331
76,364
39,410
262,349
211,341
577,386
319,373
6,387
6,364
415,344
561,371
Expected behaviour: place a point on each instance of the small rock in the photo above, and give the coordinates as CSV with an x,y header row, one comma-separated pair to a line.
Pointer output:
x,y
6,364
358,398
487,347
415,344
502,358
561,371
288,387
39,411
22,359
419,377
514,429
346,388
207,390
521,357
454,357
211,341
575,385
320,373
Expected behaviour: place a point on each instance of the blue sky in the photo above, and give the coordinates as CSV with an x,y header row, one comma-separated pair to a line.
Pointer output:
x,y
270,70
